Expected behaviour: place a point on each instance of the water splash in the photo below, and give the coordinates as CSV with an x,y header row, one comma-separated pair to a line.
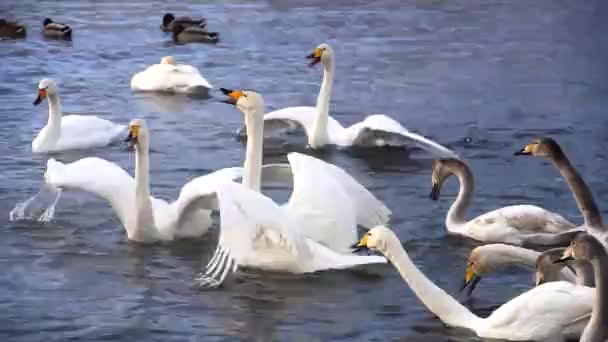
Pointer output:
x,y
40,207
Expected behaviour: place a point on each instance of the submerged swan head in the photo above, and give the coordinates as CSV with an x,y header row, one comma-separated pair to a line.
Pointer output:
x,y
323,53
582,247
138,133
442,169
168,60
542,147
249,102
376,239
46,87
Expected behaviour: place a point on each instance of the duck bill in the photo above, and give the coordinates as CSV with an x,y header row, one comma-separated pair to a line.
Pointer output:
x,y
41,97
435,191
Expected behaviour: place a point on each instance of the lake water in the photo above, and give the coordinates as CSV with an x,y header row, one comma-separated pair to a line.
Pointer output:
x,y
483,77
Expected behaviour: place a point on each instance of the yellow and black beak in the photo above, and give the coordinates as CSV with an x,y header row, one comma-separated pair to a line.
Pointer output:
x,y
470,279
315,57
526,151
568,255
233,95
132,137
361,245
435,191
41,96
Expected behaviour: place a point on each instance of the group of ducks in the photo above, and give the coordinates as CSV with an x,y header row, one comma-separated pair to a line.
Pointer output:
x,y
316,228
184,29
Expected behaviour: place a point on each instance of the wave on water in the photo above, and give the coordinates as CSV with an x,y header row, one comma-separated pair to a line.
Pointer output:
x,y
40,207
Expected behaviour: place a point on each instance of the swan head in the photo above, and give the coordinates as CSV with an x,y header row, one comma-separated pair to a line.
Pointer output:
x,y
168,60
376,239
582,247
482,260
442,169
546,268
168,18
248,102
323,53
542,147
138,131
46,87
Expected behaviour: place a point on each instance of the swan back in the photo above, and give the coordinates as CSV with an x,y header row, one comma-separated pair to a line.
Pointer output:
x,y
168,60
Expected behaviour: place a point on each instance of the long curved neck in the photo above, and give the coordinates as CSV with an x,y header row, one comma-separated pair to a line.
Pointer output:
x,y
434,298
584,273
455,216
580,190
144,219
252,176
319,130
54,124
597,328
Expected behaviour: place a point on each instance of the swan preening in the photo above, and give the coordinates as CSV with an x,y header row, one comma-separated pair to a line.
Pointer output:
x,y
170,77
553,311
311,232
374,131
511,224
71,131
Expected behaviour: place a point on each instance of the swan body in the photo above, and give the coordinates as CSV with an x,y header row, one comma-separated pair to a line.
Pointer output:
x,y
311,232
71,131
510,224
51,29
170,77
550,312
376,130
146,219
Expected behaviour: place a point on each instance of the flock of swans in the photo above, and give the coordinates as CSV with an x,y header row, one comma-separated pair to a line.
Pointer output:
x,y
316,229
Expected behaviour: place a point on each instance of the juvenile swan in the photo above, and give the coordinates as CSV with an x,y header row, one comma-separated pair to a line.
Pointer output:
x,y
549,312
508,224
585,247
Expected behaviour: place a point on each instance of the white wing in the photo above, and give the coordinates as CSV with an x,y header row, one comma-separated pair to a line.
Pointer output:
x,y
314,181
171,78
291,118
380,130
98,176
255,232
541,313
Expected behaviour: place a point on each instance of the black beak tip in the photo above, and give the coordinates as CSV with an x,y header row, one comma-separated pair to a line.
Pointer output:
x,y
225,91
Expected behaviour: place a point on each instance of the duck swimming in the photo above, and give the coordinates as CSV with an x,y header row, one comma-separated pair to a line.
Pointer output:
x,y
11,29
169,20
52,29
193,34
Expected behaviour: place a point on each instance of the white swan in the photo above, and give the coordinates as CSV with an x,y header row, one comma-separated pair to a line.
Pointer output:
x,y
510,224
170,77
304,234
145,218
322,129
71,131
550,312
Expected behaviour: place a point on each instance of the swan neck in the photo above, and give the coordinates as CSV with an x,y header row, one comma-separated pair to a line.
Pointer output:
x,y
54,122
598,324
584,273
319,130
252,176
580,190
456,214
434,298
142,174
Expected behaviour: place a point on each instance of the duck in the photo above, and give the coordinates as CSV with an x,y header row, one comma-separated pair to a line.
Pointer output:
x,y
375,131
193,34
168,76
51,29
12,29
510,224
554,311
71,132
169,20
